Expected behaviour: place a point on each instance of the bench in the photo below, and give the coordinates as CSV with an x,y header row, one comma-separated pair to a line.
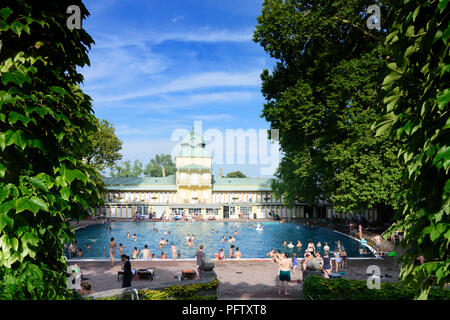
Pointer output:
x,y
120,273
145,274
188,274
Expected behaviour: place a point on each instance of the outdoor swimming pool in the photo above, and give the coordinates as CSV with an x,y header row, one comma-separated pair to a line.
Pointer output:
x,y
252,243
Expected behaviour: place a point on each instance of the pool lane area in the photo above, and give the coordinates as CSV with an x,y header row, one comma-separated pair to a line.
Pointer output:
x,y
252,243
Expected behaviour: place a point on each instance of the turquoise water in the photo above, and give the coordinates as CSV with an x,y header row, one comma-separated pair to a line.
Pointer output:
x,y
251,243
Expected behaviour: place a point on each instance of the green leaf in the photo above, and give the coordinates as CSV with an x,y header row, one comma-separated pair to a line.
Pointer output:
x,y
15,137
38,183
71,175
2,170
442,4
443,98
5,220
33,204
15,116
5,12
15,76
391,77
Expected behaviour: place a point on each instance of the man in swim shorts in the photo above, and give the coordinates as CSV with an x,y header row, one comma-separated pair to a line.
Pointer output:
x,y
200,256
285,265
377,240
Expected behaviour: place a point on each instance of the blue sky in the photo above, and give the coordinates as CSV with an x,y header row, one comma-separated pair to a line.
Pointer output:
x,y
158,66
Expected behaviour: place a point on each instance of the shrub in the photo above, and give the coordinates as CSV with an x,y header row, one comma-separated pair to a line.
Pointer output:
x,y
319,288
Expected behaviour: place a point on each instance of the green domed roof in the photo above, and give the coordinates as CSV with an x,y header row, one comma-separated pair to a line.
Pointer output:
x,y
193,145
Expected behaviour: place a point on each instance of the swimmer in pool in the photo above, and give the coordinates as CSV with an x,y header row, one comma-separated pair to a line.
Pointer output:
x,y
290,245
284,243
134,237
270,254
223,239
128,235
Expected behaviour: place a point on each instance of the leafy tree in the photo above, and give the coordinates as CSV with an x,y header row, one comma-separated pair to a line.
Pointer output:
x,y
417,114
160,166
43,118
137,170
324,95
235,174
126,170
101,149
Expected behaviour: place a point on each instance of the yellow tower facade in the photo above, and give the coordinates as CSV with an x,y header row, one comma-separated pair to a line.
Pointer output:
x,y
194,171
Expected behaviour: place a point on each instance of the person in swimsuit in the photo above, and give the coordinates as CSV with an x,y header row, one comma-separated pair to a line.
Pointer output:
x,y
163,255
220,255
285,265
294,261
327,266
319,246
223,239
343,255
174,251
270,254
189,243
326,248
237,254
290,245
311,247
277,257
230,251
112,251
337,260
121,249
145,253
377,240
299,244
134,253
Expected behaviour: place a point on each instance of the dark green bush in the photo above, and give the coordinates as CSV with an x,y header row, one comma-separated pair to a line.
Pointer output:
x,y
181,292
319,288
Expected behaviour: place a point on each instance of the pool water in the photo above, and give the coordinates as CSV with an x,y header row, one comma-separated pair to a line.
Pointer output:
x,y
251,243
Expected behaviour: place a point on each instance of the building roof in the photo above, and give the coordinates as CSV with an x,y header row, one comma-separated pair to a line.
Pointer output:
x,y
194,166
169,184
149,183
241,184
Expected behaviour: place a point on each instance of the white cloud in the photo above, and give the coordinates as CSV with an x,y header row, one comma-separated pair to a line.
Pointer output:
x,y
198,81
177,18
146,37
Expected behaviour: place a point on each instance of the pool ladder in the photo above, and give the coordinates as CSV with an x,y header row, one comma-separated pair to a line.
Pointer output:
x,y
137,294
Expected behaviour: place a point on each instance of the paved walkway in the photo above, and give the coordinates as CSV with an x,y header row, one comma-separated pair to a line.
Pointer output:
x,y
239,279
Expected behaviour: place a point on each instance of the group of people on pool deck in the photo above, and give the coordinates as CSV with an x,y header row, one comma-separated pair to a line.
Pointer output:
x,y
312,261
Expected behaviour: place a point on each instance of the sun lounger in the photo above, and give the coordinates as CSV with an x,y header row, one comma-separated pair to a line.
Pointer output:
x,y
145,274
188,274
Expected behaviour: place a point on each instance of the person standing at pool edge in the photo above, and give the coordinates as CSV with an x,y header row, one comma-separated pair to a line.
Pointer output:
x,y
126,271
285,265
200,256
112,251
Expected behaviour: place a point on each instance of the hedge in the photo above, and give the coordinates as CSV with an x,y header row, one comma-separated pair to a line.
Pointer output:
x,y
181,292
319,288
